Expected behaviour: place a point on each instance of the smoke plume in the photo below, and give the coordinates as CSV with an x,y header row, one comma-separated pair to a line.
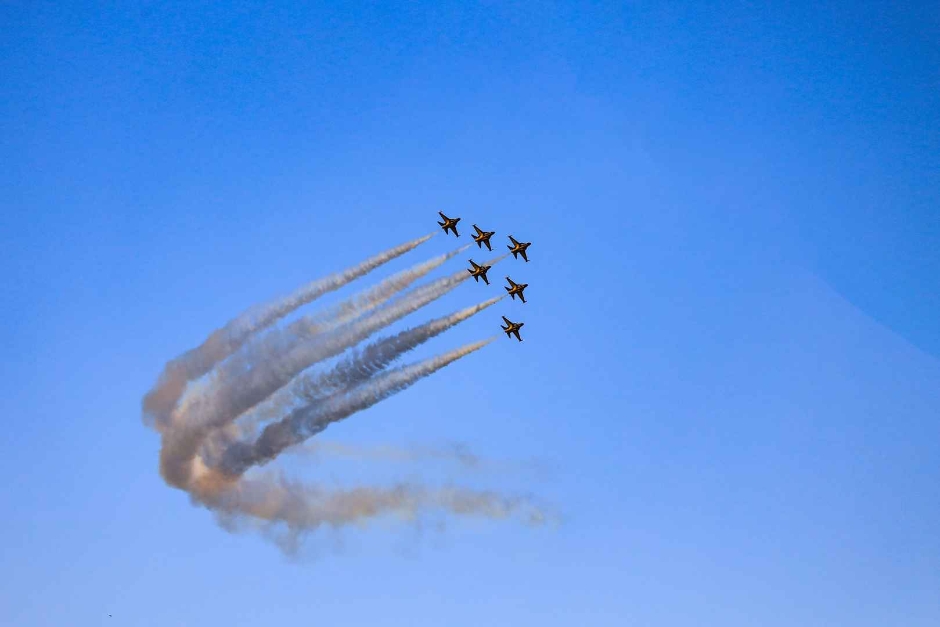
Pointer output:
x,y
194,363
208,402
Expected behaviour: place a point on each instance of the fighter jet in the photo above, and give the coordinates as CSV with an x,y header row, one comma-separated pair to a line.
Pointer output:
x,y
512,327
518,248
479,271
516,288
483,237
449,223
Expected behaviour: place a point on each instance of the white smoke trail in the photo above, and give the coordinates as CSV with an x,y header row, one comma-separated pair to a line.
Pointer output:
x,y
272,369
358,366
160,400
368,300
309,327
309,420
273,361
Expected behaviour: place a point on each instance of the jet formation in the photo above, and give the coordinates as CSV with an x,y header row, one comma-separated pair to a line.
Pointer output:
x,y
478,271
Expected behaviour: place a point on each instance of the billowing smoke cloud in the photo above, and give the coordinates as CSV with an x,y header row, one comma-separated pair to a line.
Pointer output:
x,y
221,343
206,452
311,419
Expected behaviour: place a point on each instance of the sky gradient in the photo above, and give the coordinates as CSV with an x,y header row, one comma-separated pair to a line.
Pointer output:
x,y
731,364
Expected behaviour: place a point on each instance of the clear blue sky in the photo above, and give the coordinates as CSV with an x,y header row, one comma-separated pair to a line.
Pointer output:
x,y
732,338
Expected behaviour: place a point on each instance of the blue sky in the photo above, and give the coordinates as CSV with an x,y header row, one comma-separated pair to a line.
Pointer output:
x,y
732,341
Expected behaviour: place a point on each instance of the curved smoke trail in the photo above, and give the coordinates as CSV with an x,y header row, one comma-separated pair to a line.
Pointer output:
x,y
271,369
204,450
160,400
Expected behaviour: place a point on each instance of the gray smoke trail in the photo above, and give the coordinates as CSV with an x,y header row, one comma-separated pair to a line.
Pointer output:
x,y
362,365
159,402
271,371
309,420
357,367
